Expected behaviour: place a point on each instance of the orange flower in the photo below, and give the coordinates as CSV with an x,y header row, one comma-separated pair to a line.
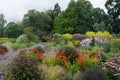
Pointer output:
x,y
2,51
62,52
81,58
40,56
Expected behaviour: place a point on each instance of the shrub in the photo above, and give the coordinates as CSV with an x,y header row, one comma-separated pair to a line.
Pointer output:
x,y
17,46
55,73
13,40
86,42
77,75
67,54
111,46
45,36
24,68
22,39
3,40
36,52
50,60
78,37
113,67
107,34
90,34
66,36
93,74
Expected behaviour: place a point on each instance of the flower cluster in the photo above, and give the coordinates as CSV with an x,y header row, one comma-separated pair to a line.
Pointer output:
x,y
3,50
67,54
61,57
35,52
86,42
114,64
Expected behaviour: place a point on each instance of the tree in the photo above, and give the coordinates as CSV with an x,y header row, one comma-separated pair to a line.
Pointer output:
x,y
99,27
57,10
2,23
53,14
12,30
38,20
113,7
76,18
98,15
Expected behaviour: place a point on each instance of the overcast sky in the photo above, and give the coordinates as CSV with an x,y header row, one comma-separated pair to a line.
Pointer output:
x,y
14,10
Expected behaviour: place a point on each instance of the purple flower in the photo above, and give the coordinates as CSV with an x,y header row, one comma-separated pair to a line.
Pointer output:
x,y
86,42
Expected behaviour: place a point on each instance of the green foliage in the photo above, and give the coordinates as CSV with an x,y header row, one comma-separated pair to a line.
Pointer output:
x,y
24,68
12,30
74,18
3,40
22,39
88,63
98,34
55,73
27,30
99,27
70,44
45,36
72,67
90,34
2,23
17,46
66,36
50,61
113,10
57,10
96,49
111,46
107,34
37,20
25,38
13,40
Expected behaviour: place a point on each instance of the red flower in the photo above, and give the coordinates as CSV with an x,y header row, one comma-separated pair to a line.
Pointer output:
x,y
2,51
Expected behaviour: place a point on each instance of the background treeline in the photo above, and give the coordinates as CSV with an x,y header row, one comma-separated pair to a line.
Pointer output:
x,y
79,17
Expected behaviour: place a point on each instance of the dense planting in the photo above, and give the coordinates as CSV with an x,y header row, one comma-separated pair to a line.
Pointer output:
x,y
61,58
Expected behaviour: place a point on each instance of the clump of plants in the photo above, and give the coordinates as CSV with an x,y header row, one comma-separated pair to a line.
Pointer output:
x,y
93,74
55,73
111,46
22,39
77,38
24,67
67,54
45,36
36,52
113,67
3,50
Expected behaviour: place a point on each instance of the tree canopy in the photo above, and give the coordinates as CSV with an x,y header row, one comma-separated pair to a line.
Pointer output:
x,y
12,30
79,17
2,23
113,7
38,20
